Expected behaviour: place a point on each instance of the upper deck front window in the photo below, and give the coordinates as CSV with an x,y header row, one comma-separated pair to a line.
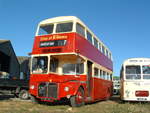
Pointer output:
x,y
133,72
64,27
46,29
80,29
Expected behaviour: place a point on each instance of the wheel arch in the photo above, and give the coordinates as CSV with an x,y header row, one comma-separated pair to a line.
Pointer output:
x,y
80,86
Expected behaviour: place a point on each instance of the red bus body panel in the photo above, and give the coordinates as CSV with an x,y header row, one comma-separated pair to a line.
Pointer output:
x,y
62,82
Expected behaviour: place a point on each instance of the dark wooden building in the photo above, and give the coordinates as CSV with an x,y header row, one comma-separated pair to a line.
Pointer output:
x,y
24,62
8,59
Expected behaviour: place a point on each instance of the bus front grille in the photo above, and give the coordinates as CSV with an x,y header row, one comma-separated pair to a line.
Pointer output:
x,y
47,90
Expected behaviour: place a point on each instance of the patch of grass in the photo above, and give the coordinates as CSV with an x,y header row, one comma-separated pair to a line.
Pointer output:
x,y
111,106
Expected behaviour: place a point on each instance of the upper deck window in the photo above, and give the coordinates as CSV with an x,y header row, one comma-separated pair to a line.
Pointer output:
x,y
100,47
103,49
89,37
46,29
80,29
110,56
106,52
64,27
95,43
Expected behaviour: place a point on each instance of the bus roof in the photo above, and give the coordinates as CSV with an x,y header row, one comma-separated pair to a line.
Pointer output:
x,y
61,19
137,61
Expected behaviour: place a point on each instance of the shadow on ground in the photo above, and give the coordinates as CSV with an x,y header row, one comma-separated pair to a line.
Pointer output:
x,y
116,98
6,97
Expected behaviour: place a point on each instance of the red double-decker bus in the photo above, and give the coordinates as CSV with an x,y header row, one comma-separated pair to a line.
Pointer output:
x,y
69,62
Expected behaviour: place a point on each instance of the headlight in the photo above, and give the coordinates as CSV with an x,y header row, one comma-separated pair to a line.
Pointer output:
x,y
66,88
32,87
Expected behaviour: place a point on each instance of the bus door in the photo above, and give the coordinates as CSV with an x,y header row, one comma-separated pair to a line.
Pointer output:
x,y
89,78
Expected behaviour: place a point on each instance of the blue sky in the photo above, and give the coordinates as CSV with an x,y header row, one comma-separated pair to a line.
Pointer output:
x,y
123,25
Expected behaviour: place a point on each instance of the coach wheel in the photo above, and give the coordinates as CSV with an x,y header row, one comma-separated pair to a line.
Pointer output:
x,y
78,99
24,94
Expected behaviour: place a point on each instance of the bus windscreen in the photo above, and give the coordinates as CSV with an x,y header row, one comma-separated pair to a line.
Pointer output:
x,y
146,71
133,72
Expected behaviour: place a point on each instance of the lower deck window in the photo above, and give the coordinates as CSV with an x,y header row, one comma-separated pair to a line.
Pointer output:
x,y
72,69
95,72
104,75
101,74
80,68
69,69
53,64
108,76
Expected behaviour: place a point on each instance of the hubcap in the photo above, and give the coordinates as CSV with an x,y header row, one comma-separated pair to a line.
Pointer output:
x,y
25,95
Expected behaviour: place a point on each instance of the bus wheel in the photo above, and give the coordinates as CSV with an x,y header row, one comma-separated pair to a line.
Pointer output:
x,y
24,94
78,99
34,99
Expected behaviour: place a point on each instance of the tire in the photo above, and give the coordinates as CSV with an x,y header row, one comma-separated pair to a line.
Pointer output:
x,y
78,99
24,94
34,99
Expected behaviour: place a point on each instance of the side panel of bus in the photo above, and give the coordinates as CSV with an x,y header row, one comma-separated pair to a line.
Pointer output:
x,y
87,49
99,91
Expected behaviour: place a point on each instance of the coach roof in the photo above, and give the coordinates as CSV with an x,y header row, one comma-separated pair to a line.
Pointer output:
x,y
137,61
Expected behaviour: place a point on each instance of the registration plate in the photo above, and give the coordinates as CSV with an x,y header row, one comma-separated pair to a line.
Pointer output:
x,y
141,99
